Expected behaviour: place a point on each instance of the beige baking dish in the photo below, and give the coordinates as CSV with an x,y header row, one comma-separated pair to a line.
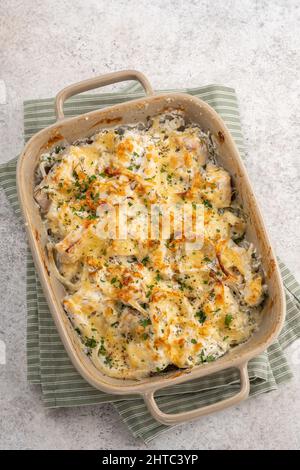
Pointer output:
x,y
69,129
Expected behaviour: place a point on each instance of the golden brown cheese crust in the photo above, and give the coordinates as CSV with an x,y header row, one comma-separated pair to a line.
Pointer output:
x,y
140,305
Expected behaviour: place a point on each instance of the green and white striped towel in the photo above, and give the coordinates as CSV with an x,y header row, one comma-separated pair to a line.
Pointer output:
x,y
47,361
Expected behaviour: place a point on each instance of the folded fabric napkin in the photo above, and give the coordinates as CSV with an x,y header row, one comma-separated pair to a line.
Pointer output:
x,y
47,361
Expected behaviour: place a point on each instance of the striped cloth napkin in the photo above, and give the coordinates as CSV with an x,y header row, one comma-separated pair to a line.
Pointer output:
x,y
47,361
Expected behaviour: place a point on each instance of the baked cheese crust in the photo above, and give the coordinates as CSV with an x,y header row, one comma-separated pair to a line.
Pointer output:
x,y
142,305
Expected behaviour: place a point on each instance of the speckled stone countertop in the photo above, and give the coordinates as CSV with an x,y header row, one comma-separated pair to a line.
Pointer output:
x,y
252,46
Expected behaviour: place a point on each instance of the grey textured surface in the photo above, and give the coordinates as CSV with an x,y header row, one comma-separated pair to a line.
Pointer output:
x,y
252,46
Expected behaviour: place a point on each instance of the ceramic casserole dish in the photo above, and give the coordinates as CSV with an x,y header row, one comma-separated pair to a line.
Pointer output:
x,y
138,110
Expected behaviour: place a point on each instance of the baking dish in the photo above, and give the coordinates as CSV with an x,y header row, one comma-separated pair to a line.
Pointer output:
x,y
70,129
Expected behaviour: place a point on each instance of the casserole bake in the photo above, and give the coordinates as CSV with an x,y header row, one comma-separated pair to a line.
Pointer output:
x,y
134,112
145,289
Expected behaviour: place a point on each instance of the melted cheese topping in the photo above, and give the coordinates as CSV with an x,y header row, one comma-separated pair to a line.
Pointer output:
x,y
140,305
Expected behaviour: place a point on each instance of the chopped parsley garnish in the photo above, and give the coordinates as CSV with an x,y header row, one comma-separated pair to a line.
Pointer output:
x,y
239,239
116,281
145,322
167,243
228,320
95,197
90,342
183,285
102,352
207,203
194,341
145,260
150,287
108,361
102,349
58,148
208,358
75,175
201,317
92,217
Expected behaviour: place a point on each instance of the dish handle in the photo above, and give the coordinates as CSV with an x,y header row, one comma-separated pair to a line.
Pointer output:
x,y
96,82
177,418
